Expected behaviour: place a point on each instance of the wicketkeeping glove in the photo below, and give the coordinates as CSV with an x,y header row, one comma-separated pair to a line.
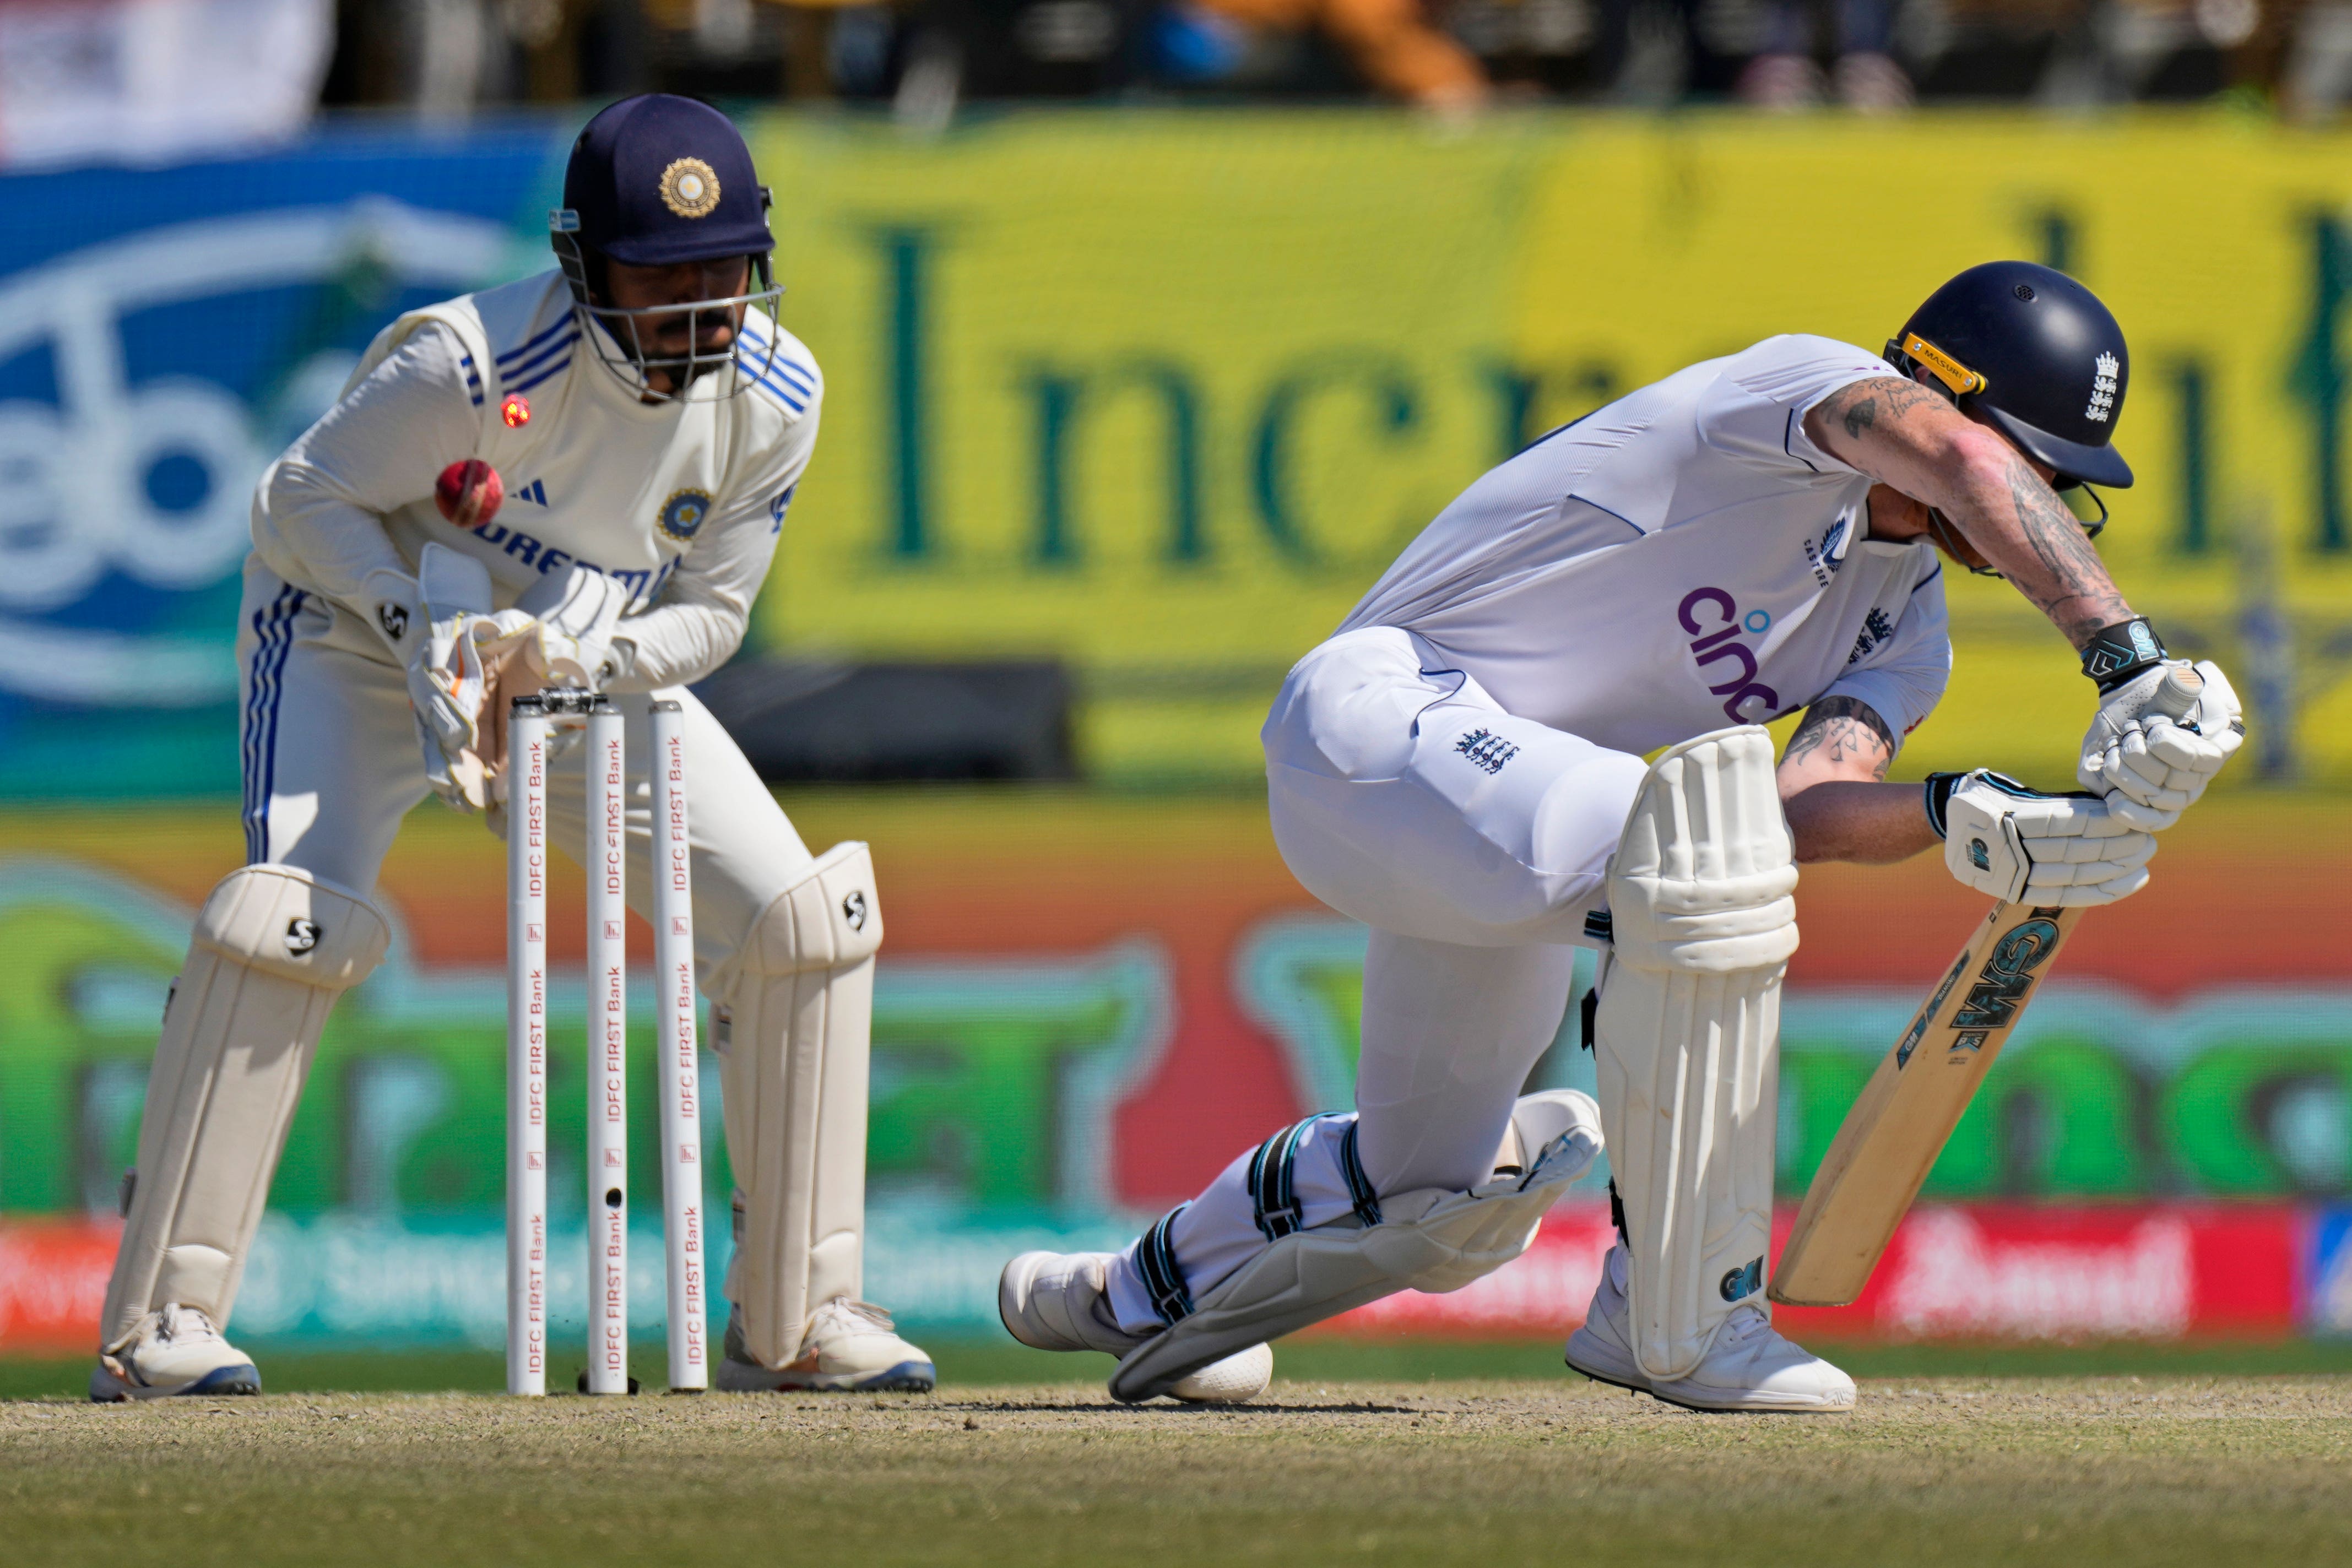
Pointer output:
x,y
2021,845
573,642
448,683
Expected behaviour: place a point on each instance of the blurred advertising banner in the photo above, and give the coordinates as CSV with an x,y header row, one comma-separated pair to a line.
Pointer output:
x,y
1089,1004
163,333
109,81
1157,394
1954,1272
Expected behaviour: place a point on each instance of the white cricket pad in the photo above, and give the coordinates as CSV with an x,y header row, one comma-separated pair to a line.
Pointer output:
x,y
1426,1241
273,947
1686,1036
793,1044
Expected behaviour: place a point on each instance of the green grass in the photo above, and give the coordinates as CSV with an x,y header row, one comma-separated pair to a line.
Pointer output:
x,y
997,1361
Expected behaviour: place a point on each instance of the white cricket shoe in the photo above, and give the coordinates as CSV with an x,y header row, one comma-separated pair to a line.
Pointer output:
x,y
171,1352
1748,1367
1060,1300
1603,1349
851,1347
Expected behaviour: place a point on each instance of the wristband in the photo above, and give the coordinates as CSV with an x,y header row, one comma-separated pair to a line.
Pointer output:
x,y
1938,798
2116,654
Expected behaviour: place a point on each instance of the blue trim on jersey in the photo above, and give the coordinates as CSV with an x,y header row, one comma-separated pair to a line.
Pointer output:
x,y
1606,512
779,394
1555,430
524,367
275,627
1929,578
566,319
793,373
473,378
1790,435
557,368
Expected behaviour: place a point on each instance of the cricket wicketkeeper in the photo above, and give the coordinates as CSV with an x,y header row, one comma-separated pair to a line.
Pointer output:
x,y
649,418
1461,768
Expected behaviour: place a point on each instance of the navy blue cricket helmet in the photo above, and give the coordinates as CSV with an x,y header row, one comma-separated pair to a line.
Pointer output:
x,y
2036,354
656,181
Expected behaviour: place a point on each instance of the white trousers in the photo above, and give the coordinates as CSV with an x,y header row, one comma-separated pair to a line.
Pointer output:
x,y
331,765
1473,844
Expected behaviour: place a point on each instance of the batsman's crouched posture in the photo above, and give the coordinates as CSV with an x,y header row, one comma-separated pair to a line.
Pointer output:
x,y
1461,768
650,419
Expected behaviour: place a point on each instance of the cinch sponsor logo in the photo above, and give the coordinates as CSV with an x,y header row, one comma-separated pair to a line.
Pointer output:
x,y
1713,618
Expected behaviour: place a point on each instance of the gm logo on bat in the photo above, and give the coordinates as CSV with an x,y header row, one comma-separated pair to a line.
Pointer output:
x,y
2008,975
1998,990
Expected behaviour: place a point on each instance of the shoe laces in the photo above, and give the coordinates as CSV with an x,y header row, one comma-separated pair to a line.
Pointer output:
x,y
176,1324
842,1312
1745,1322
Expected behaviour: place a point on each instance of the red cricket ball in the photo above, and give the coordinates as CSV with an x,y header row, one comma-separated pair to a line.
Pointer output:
x,y
468,492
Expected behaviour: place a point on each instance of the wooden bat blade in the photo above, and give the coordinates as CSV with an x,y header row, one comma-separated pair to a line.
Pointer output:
x,y
1890,1140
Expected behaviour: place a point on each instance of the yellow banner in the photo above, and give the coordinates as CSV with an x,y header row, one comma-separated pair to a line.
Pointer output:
x,y
1161,394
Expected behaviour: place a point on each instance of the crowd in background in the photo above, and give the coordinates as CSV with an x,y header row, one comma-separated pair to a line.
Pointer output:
x,y
923,57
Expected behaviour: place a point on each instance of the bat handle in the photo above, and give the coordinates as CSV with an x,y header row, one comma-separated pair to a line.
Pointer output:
x,y
2176,696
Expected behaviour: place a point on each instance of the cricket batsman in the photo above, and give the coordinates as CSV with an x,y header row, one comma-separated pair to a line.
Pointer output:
x,y
649,418
1461,768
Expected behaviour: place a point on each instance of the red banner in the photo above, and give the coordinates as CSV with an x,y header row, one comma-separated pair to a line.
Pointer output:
x,y
53,1276
1960,1271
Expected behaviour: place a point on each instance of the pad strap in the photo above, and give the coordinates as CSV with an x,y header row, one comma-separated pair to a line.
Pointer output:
x,y
1161,1275
1273,1180
1360,1195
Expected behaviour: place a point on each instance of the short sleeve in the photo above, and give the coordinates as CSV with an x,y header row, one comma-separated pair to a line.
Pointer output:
x,y
1756,409
1902,672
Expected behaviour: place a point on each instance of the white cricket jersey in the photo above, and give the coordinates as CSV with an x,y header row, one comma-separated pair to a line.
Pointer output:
x,y
682,500
1680,559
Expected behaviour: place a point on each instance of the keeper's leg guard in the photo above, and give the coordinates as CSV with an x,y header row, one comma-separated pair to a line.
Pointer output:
x,y
273,947
1428,1240
794,1058
1686,1036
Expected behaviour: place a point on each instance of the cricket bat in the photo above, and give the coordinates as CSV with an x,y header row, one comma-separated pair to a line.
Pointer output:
x,y
1891,1138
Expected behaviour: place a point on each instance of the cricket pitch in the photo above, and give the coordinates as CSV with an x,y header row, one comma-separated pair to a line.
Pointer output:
x,y
2062,1470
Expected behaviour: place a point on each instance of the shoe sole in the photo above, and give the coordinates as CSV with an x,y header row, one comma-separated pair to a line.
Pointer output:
x,y
907,1377
1615,1378
1790,1407
106,1388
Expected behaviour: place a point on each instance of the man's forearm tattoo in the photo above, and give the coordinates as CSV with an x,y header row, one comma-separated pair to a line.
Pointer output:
x,y
2079,597
1846,729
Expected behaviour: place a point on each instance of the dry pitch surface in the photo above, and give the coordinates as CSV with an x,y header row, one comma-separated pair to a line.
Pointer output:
x,y
2125,1471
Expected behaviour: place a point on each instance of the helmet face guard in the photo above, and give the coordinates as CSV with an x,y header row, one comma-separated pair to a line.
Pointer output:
x,y
624,338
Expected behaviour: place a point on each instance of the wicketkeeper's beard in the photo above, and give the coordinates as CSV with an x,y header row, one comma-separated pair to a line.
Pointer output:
x,y
686,346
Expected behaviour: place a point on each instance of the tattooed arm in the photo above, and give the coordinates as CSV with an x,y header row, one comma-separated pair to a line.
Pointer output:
x,y
1833,787
1902,435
